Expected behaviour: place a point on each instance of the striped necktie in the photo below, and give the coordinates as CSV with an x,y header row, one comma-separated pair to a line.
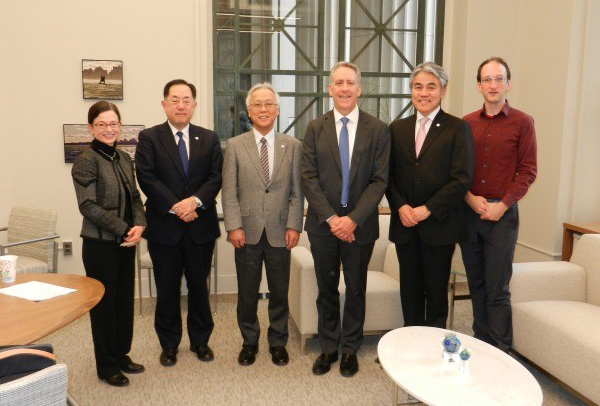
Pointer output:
x,y
264,159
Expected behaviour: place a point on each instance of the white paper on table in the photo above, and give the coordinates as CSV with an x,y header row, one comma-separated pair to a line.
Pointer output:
x,y
36,291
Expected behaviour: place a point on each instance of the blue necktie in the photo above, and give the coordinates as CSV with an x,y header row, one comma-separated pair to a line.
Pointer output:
x,y
345,160
183,152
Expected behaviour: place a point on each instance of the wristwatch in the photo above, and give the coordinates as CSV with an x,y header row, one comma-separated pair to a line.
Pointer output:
x,y
198,202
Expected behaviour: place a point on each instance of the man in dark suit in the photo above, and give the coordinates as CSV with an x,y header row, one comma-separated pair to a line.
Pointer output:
x,y
344,175
431,170
179,170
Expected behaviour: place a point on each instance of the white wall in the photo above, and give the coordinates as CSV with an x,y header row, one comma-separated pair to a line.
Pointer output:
x,y
552,56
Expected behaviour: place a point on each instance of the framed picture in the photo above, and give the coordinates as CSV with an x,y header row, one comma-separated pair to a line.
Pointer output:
x,y
78,138
102,79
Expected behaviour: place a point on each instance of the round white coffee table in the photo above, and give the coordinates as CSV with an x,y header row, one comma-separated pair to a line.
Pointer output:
x,y
412,357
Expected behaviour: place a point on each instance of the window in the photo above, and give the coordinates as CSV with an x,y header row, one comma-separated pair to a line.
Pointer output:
x,y
294,43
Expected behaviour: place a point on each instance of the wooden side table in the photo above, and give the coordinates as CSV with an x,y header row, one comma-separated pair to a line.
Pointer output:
x,y
569,229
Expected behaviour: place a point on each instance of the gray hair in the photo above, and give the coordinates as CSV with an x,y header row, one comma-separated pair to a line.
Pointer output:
x,y
259,86
433,68
344,64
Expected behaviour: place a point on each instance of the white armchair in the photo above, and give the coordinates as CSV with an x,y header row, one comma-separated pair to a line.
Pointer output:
x,y
556,316
31,234
383,311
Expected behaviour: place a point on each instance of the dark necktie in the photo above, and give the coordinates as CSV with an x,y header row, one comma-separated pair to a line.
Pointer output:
x,y
264,159
183,152
345,160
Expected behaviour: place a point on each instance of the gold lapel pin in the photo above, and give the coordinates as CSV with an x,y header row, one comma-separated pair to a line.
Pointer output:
x,y
197,137
437,125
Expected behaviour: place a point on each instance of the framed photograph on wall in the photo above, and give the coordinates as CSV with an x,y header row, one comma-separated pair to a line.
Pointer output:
x,y
102,79
78,138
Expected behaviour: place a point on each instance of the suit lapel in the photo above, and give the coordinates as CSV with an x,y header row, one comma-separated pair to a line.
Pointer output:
x,y
194,145
167,139
252,150
279,152
360,140
331,137
409,139
438,124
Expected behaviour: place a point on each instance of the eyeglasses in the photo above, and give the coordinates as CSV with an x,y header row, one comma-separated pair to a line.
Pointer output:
x,y
489,79
102,126
186,101
267,105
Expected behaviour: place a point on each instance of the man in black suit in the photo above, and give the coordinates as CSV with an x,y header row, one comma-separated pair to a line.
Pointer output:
x,y
344,175
179,170
431,170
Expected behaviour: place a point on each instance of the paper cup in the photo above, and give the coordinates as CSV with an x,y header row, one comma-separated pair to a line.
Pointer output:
x,y
8,268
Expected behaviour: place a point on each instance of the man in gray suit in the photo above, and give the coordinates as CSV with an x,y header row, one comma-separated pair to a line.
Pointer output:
x,y
344,175
263,208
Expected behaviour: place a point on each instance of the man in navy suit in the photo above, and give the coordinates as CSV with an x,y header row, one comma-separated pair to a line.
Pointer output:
x,y
179,167
431,170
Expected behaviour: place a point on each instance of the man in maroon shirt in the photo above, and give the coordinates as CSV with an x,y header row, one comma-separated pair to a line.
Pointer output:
x,y
505,167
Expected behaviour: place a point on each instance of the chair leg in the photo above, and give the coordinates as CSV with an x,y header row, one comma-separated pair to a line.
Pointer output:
x,y
55,259
451,301
139,269
303,344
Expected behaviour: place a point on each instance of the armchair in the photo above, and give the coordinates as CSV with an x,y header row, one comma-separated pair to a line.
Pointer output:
x,y
31,234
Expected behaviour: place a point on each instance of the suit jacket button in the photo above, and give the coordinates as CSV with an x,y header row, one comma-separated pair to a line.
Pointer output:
x,y
416,164
267,191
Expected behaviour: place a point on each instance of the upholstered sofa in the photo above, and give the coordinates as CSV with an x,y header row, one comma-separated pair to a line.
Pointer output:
x,y
556,316
383,311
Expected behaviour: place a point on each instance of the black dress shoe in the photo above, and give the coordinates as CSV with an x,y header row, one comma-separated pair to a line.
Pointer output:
x,y
322,364
279,355
247,355
168,357
131,367
203,352
348,365
117,379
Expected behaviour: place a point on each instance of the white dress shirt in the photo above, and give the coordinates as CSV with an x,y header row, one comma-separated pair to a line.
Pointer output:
x,y
270,137
430,116
186,137
352,124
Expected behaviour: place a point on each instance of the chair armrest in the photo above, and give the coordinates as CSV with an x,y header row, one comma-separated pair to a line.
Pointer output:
x,y
14,244
553,280
303,290
391,266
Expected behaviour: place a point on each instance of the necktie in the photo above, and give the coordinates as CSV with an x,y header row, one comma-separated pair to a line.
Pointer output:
x,y
182,152
421,135
264,159
345,160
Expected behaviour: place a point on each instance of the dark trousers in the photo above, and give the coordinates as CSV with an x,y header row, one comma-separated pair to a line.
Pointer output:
x,y
488,257
170,263
424,274
112,318
328,252
248,262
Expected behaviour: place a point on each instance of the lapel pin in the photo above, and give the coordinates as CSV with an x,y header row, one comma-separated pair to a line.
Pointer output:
x,y
197,137
282,146
437,125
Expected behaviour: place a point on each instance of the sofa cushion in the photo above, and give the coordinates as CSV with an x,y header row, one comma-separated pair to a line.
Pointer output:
x,y
562,338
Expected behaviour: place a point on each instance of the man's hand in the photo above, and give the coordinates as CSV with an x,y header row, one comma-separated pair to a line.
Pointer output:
x,y
291,238
479,204
420,213
494,211
407,216
186,209
133,236
343,228
237,237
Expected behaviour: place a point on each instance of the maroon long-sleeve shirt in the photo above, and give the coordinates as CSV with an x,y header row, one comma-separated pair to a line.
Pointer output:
x,y
505,154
